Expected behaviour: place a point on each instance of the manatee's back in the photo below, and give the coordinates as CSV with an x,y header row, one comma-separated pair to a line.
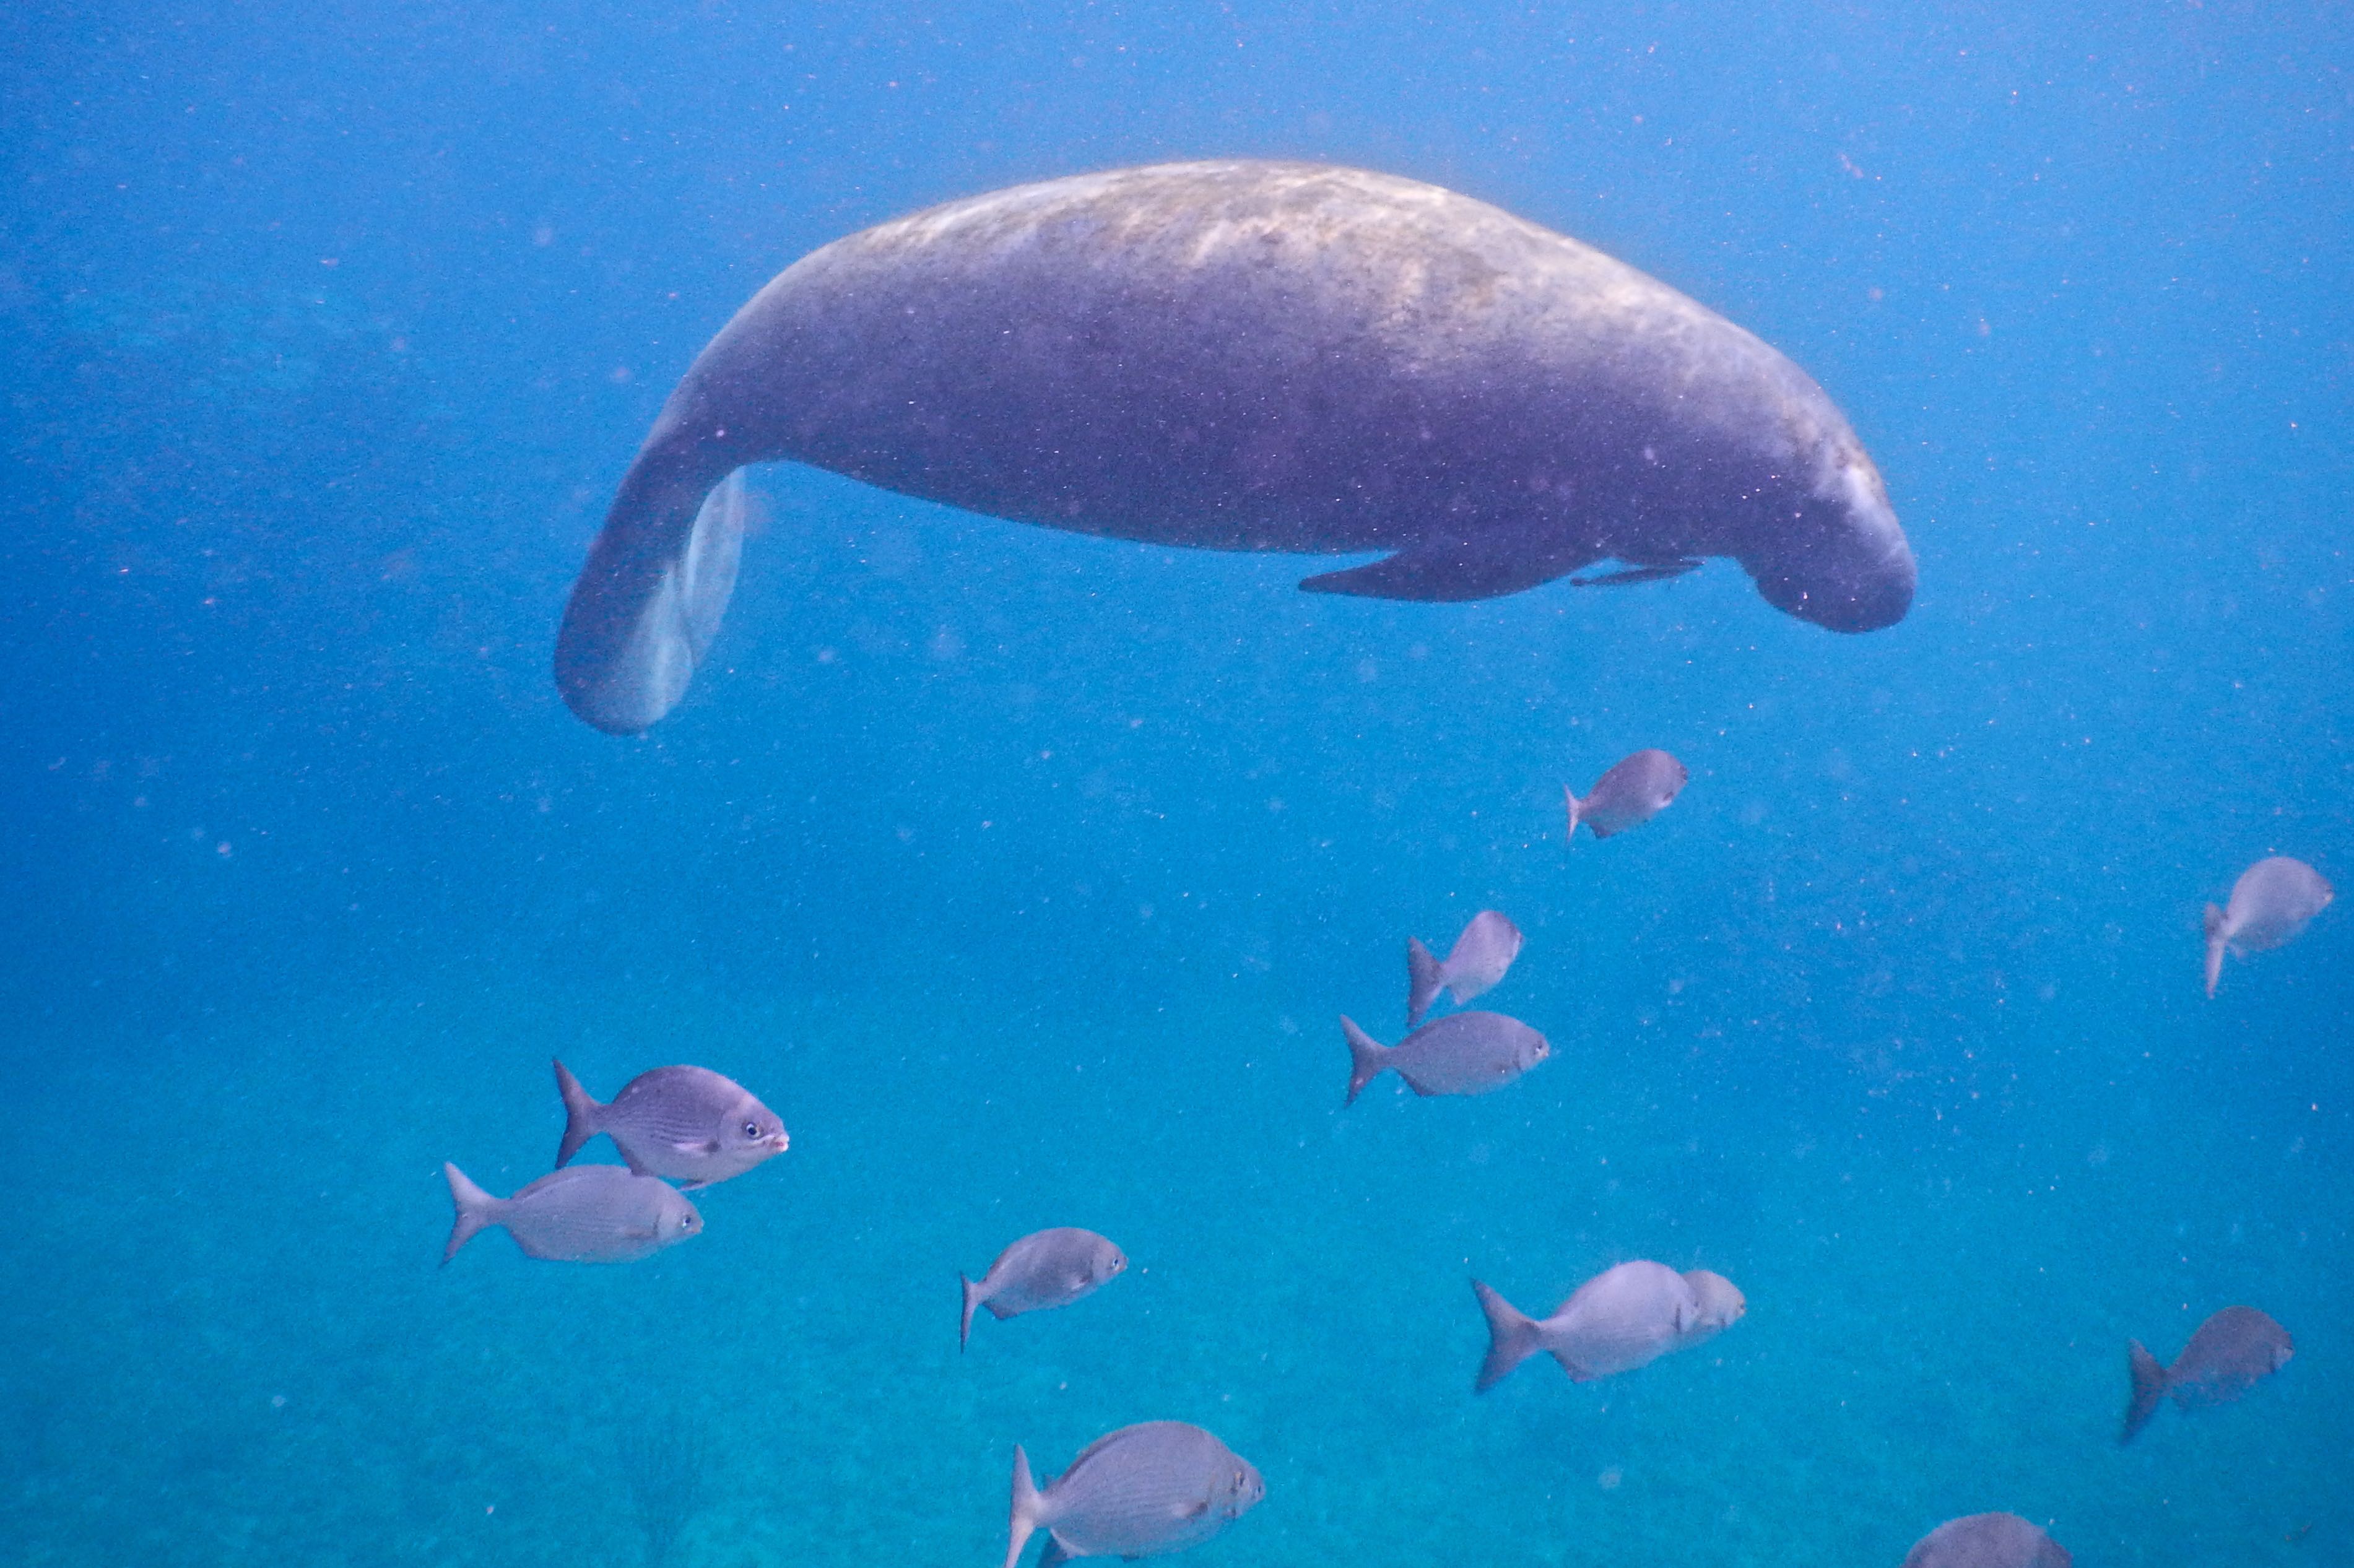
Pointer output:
x,y
1249,356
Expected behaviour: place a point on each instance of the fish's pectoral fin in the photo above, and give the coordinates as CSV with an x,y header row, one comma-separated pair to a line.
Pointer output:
x,y
695,1186
1486,564
1627,577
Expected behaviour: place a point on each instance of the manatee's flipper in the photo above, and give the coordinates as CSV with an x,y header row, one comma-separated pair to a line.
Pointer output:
x,y
1628,576
1447,571
647,606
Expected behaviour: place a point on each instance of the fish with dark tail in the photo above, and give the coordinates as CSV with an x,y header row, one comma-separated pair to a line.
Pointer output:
x,y
1483,952
2232,1351
1461,1053
688,1124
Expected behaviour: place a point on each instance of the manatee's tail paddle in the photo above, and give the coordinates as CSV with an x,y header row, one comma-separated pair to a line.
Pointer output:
x,y
648,604
1368,1060
2148,1389
580,1110
1423,977
2215,940
1511,1337
476,1210
1028,1509
972,1300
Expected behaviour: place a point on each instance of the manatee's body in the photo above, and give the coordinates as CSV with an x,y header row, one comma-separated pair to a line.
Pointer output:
x,y
1247,356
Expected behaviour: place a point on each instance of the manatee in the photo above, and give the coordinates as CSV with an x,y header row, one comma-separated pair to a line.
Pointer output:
x,y
1246,355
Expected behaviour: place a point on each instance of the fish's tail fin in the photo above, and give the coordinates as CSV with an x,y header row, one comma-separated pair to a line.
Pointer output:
x,y
2215,940
1423,977
2148,1389
1028,1512
1368,1059
476,1210
1576,806
1511,1337
580,1110
972,1300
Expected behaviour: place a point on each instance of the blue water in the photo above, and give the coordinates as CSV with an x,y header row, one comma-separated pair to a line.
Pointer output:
x,y
1025,874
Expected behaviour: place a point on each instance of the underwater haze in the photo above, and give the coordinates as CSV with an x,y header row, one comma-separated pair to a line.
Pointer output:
x,y
1026,876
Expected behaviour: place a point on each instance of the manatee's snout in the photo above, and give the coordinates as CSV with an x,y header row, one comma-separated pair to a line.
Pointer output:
x,y
1841,562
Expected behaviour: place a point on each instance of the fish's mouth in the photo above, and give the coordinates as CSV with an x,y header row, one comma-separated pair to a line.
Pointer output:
x,y
777,1142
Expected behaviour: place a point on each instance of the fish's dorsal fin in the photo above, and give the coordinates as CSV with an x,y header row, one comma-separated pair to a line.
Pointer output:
x,y
1443,571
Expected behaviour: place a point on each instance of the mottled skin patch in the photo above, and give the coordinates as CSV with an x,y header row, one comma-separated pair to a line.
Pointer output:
x,y
1263,356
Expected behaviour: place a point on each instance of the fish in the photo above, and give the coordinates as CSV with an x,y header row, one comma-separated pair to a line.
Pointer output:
x,y
1156,1487
1987,1541
2232,1351
688,1124
1622,1319
1721,1303
589,1214
1461,1053
1480,956
1045,1268
1633,791
2270,904
1245,355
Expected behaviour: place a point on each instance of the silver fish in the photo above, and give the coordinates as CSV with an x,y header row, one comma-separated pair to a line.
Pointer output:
x,y
1621,1319
1987,1541
1461,1053
1159,1486
1045,1268
2270,904
1635,790
1478,959
2232,1352
686,1123
591,1214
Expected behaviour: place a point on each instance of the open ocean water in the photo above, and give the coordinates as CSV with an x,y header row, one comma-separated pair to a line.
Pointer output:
x,y
1025,874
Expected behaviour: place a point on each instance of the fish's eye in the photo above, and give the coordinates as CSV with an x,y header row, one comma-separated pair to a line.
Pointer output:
x,y
752,1130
